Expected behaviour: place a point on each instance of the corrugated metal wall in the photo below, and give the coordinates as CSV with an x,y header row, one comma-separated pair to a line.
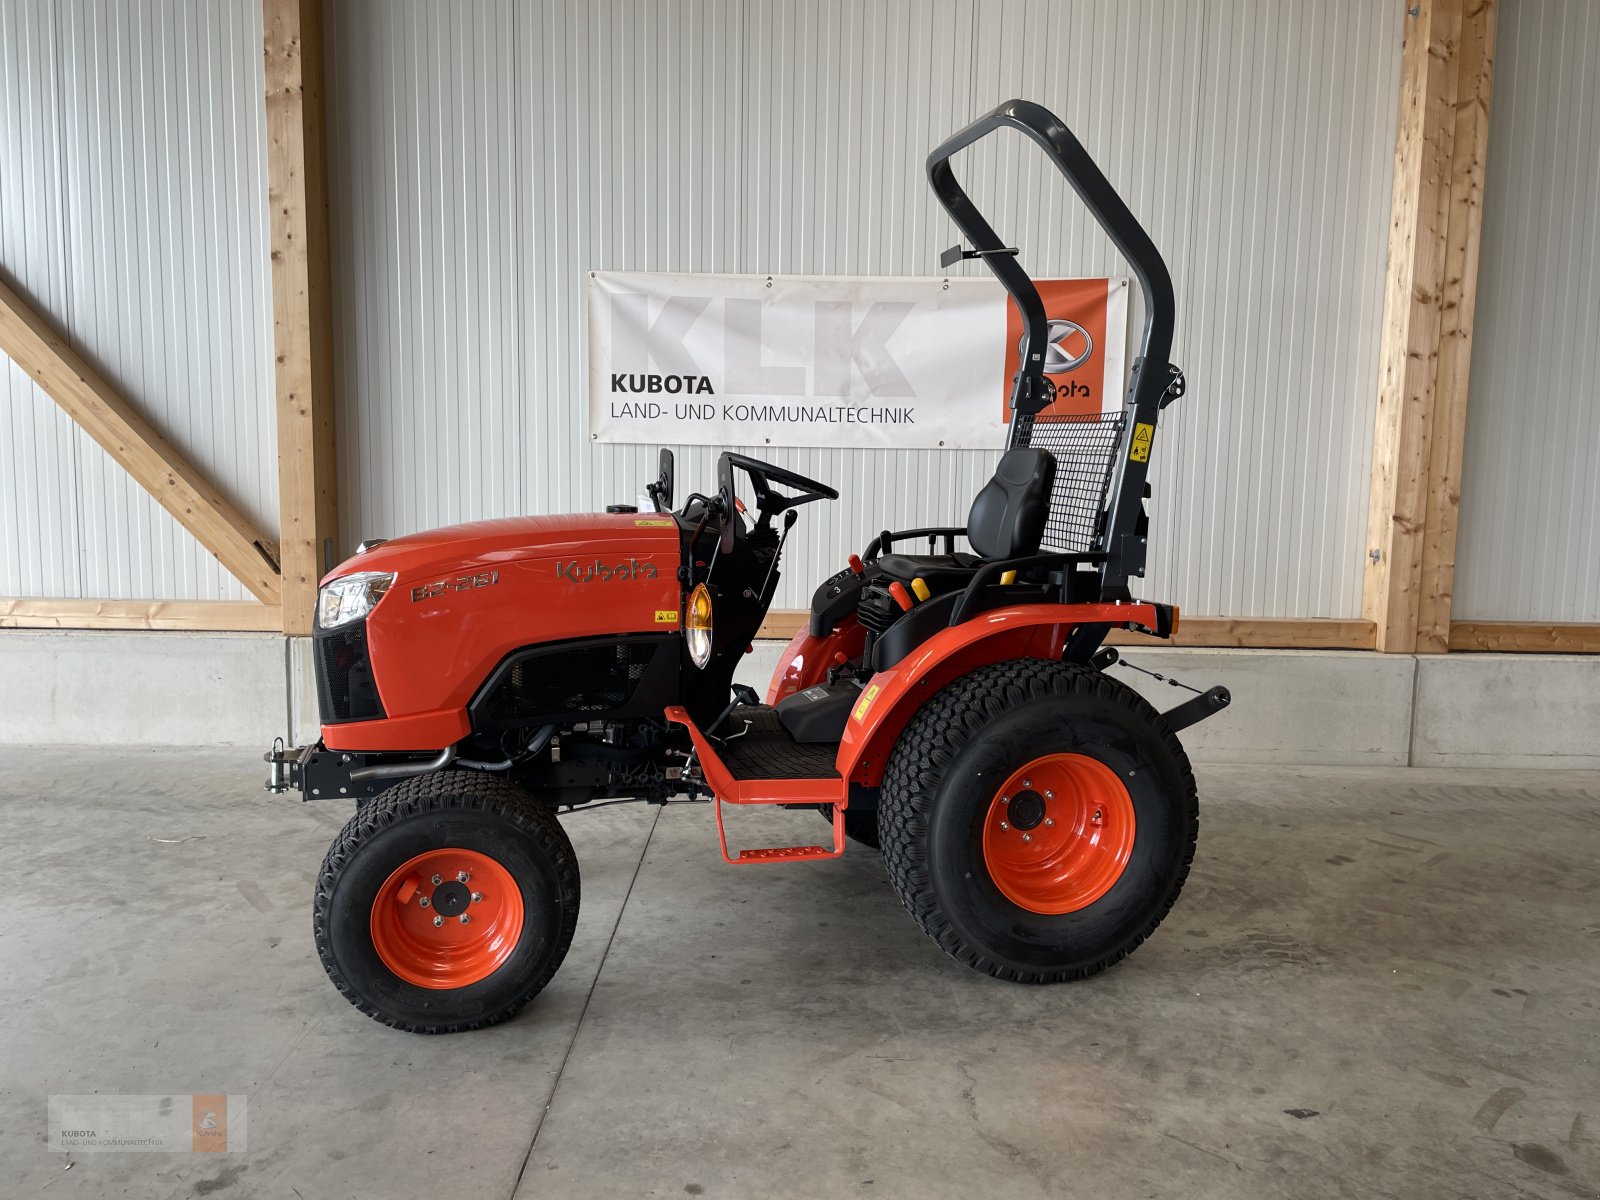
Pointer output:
x,y
1529,546
485,155
133,213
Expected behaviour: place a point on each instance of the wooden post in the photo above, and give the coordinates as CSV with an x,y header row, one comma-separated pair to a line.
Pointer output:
x,y
1474,82
302,318
1429,297
29,341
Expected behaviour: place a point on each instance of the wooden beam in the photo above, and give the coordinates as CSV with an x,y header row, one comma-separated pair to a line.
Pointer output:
x,y
1413,298
1261,633
1294,634
302,314
30,342
50,613
1474,84
1523,637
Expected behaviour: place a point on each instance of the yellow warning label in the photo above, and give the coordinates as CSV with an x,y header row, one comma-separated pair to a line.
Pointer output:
x,y
867,697
666,616
1143,435
655,522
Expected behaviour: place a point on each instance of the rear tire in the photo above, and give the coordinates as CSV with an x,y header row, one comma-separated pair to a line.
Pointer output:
x,y
420,967
1081,891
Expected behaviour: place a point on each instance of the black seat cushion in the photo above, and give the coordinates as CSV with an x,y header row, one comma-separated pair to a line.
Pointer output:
x,y
936,569
1007,519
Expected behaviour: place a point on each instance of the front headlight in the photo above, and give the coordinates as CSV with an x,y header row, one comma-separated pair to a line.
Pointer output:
x,y
351,597
697,625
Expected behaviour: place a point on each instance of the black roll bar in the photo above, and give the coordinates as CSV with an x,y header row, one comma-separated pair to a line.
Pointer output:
x,y
1154,379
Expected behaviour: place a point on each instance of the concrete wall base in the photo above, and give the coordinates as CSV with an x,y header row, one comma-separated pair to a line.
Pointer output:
x,y
1323,708
94,687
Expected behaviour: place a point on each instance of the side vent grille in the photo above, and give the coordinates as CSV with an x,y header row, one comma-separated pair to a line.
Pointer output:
x,y
610,677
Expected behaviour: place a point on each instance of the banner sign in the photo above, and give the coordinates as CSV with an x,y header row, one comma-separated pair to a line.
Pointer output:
x,y
808,360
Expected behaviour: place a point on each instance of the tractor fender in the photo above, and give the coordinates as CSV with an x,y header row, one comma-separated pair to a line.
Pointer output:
x,y
807,659
893,696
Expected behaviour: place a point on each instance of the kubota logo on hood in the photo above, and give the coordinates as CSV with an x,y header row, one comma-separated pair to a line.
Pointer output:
x,y
605,572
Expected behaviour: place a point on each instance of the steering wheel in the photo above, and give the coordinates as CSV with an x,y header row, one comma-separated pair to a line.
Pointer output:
x,y
768,502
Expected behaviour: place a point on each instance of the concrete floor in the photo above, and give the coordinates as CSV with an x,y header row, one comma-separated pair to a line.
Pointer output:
x,y
1378,983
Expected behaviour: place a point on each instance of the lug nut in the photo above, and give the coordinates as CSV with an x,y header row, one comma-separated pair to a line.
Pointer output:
x,y
1027,837
437,880
1003,825
462,877
437,920
1097,814
465,920
477,896
1027,783
1005,799
1049,795
422,900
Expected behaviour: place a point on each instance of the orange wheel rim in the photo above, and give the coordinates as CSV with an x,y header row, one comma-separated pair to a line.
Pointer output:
x,y
447,918
1058,833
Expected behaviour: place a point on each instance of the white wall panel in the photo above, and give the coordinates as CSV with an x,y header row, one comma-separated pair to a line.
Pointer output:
x,y
487,155
1529,543
39,544
133,213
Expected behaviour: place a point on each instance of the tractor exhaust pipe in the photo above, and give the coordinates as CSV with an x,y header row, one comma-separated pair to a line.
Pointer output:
x,y
406,770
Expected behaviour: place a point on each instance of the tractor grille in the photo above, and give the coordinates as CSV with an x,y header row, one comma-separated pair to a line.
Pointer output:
x,y
572,680
1085,450
346,689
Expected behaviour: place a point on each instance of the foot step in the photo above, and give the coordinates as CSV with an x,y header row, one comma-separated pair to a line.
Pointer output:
x,y
784,853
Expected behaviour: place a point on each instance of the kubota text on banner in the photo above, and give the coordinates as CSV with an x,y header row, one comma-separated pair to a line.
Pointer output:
x,y
807,360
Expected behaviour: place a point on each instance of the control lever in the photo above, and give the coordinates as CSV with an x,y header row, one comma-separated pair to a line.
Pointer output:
x,y
743,693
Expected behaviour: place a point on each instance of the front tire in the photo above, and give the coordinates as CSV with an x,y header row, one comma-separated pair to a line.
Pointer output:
x,y
1038,820
391,898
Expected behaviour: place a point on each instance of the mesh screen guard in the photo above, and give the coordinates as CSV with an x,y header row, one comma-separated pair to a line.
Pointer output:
x,y
1085,450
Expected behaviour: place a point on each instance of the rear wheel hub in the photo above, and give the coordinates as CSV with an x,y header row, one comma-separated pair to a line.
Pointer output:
x,y
1058,834
1026,810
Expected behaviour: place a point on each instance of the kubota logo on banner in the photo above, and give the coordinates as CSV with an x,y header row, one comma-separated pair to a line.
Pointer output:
x,y
826,361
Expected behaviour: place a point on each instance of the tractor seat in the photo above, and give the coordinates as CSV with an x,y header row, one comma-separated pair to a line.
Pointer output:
x,y
1007,521
934,568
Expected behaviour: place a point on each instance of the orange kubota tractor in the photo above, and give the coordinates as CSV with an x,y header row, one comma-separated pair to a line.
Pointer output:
x,y
1036,816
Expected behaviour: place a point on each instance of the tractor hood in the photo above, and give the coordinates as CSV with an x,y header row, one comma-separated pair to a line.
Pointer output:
x,y
585,538
466,596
